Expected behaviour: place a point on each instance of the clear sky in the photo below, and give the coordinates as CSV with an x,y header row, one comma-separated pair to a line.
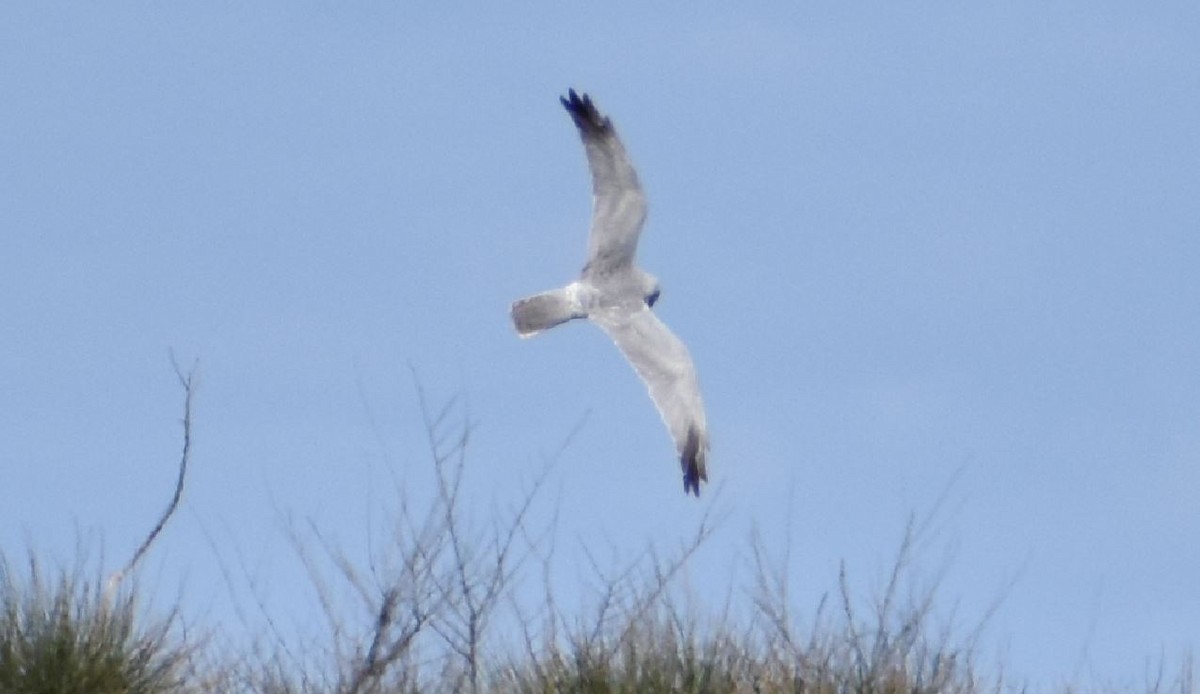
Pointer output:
x,y
899,242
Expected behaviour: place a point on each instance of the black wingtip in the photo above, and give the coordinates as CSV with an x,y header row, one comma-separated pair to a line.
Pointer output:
x,y
584,112
692,460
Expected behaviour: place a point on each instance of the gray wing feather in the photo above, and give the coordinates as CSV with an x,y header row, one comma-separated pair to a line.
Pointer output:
x,y
666,367
618,204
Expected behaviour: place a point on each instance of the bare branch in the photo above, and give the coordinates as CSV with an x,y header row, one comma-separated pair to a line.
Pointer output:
x,y
187,381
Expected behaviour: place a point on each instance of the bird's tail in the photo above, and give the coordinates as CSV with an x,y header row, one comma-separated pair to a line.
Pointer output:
x,y
539,312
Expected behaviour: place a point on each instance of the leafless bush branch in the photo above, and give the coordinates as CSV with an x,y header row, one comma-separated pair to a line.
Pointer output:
x,y
187,382
422,605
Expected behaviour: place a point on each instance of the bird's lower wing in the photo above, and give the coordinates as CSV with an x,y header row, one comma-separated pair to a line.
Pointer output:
x,y
666,367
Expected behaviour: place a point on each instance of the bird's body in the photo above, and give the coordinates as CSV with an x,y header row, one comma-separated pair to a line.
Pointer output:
x,y
617,295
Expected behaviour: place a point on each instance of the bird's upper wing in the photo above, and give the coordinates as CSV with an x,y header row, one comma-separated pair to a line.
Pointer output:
x,y
663,362
618,205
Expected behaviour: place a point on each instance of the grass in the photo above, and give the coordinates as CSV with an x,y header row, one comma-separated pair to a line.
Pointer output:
x,y
651,641
439,612
641,634
60,635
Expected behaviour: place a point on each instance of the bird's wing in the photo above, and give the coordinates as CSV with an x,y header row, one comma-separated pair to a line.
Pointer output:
x,y
663,362
618,205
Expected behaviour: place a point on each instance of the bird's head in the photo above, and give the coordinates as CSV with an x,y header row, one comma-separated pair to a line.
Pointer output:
x,y
650,289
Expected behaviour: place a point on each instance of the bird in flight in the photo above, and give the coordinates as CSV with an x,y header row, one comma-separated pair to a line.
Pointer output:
x,y
618,296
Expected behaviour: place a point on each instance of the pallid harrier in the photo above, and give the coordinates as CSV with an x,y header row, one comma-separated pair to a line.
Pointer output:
x,y
617,295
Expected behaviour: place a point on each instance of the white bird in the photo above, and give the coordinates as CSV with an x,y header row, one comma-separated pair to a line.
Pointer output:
x,y
617,295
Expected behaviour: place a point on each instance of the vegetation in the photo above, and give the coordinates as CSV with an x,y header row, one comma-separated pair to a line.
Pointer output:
x,y
59,634
439,613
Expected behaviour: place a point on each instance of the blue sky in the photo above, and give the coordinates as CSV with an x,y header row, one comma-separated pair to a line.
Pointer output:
x,y
902,244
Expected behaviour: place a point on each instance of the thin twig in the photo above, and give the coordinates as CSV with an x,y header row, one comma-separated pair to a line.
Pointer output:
x,y
187,382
